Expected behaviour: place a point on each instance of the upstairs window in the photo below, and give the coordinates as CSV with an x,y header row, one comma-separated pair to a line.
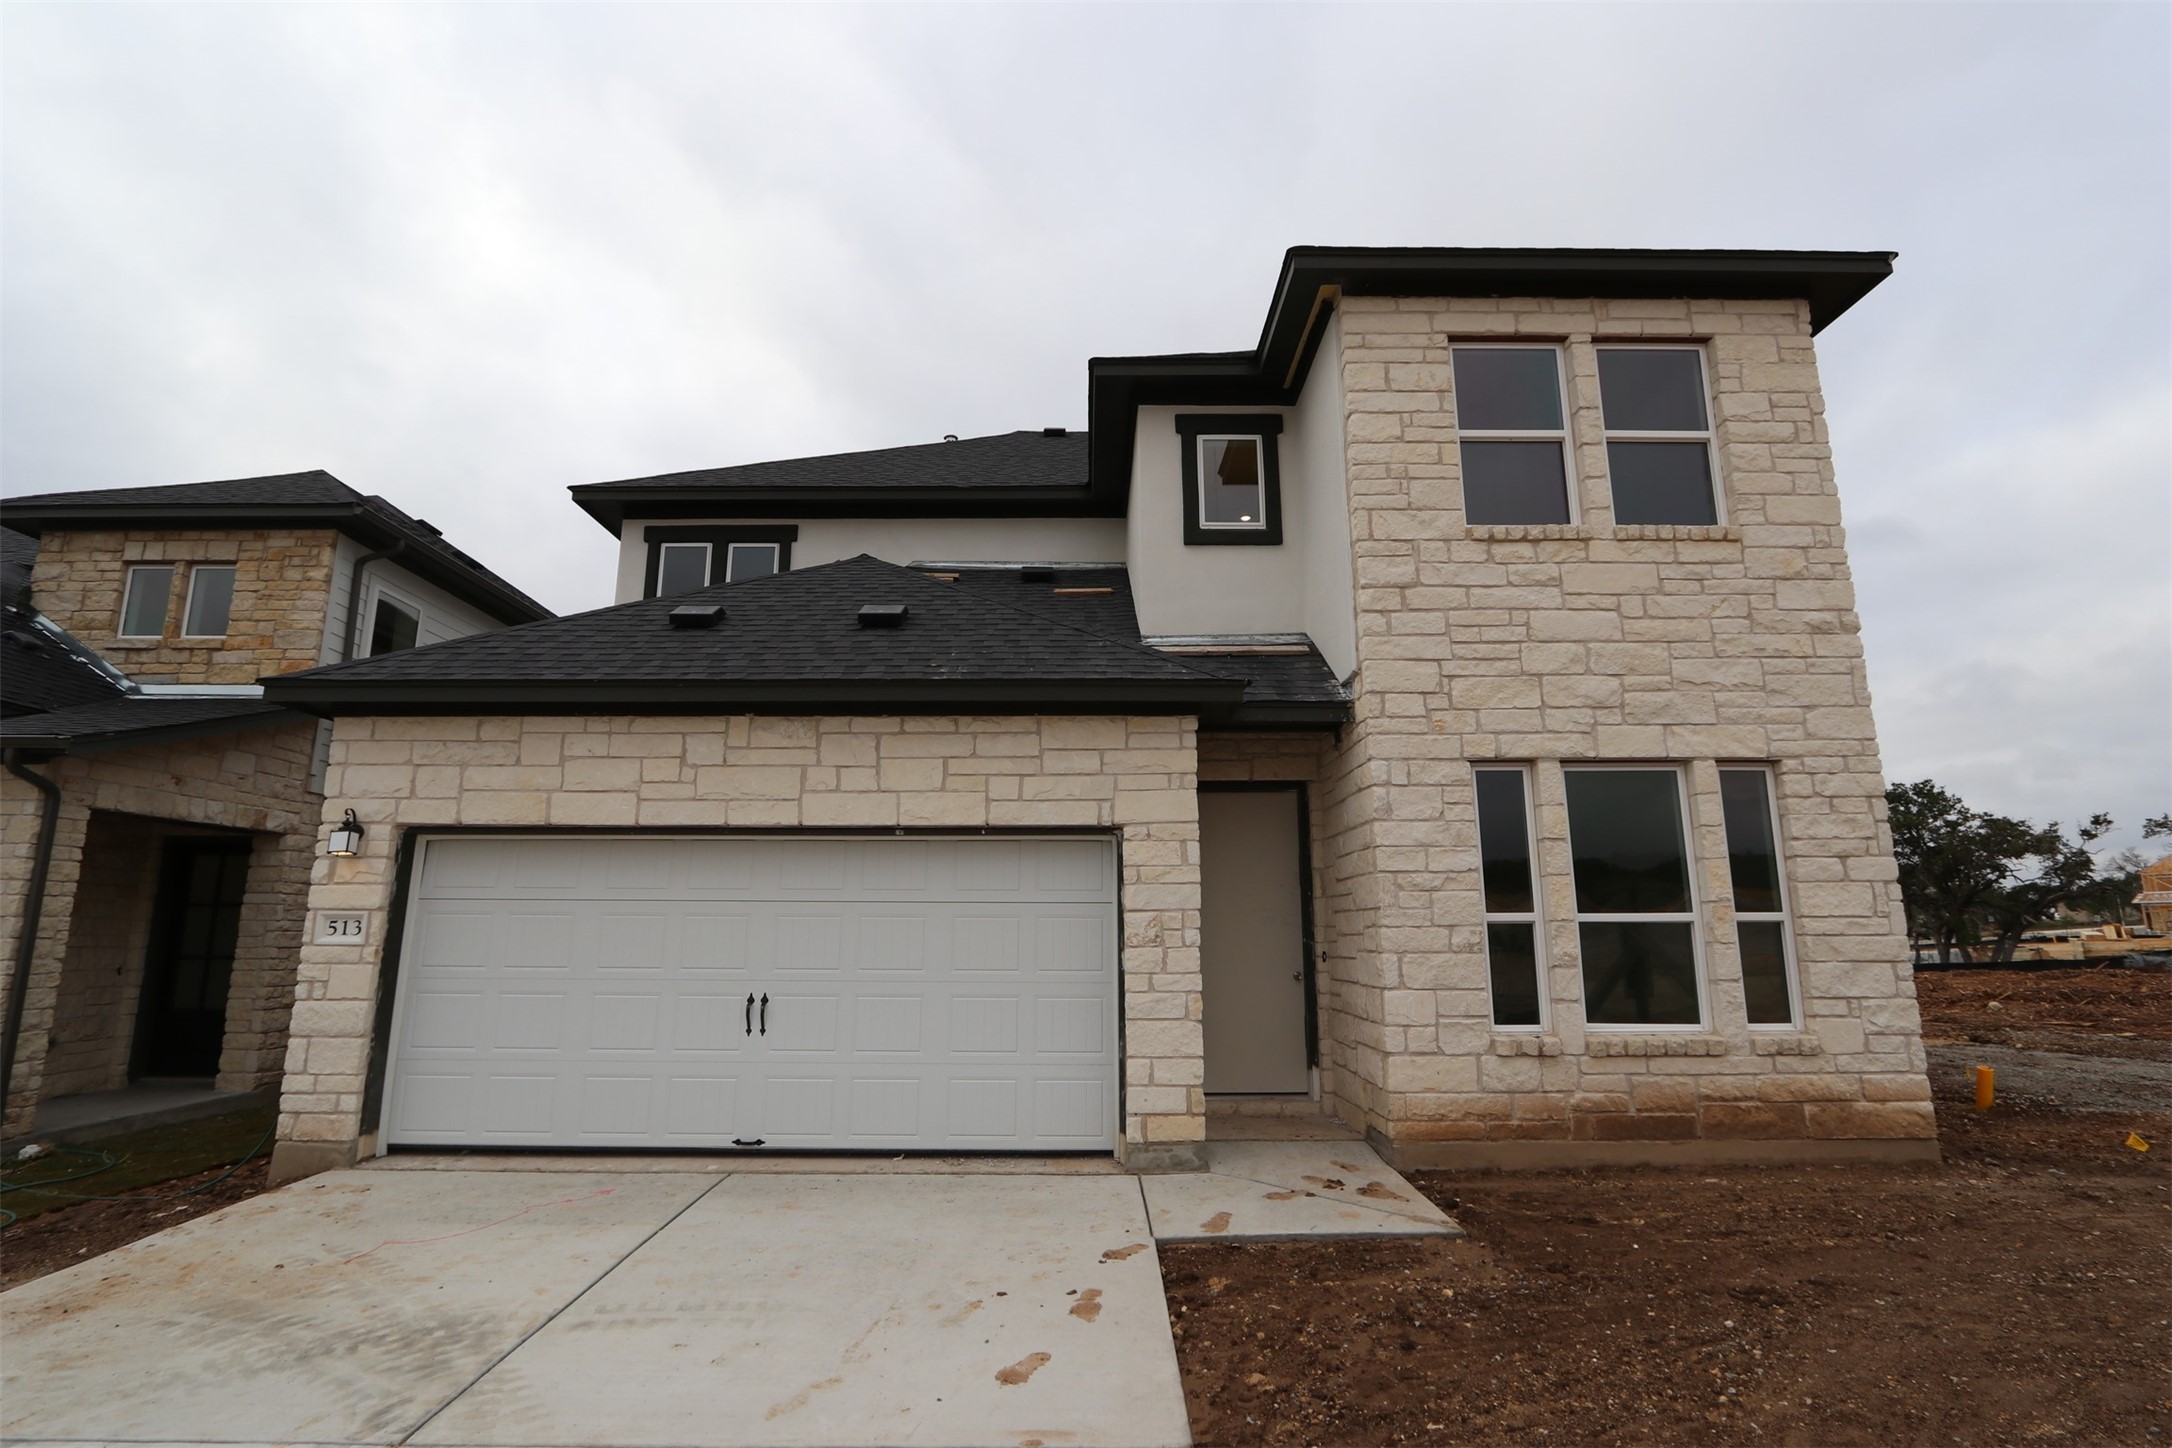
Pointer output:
x,y
1658,435
743,561
1512,432
683,559
1232,478
211,601
393,627
145,596
681,568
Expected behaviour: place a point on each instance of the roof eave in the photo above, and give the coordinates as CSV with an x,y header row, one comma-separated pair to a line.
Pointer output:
x,y
613,507
334,698
106,741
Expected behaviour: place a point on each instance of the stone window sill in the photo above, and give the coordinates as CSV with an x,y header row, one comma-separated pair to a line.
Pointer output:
x,y
1787,1043
191,643
1600,1043
1533,532
1517,1043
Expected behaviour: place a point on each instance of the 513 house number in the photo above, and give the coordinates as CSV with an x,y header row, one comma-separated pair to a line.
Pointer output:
x,y
342,929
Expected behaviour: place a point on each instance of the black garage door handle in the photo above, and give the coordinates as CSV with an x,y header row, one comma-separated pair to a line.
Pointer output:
x,y
765,1012
750,1013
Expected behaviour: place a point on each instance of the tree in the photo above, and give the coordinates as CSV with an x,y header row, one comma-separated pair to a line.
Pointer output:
x,y
2157,825
1965,873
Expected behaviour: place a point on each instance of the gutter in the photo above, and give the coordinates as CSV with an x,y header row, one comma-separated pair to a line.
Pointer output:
x,y
354,597
26,944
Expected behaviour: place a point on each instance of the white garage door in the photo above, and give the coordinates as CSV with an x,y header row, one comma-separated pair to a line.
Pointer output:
x,y
878,994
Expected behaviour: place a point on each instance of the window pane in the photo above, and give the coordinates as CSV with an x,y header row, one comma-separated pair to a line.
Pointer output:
x,y
1512,957
1752,857
743,561
1642,391
1229,481
1514,482
1638,974
1662,482
1508,389
143,612
1764,972
211,602
680,567
392,628
1504,841
1625,833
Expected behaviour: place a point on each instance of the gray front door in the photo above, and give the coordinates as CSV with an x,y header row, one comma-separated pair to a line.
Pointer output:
x,y
1251,941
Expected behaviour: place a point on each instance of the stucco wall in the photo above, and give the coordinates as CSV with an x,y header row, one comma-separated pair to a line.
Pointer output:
x,y
1597,642
1137,777
905,540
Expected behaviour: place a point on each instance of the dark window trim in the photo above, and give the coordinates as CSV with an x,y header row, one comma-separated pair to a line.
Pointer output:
x,y
1308,941
1267,427
784,535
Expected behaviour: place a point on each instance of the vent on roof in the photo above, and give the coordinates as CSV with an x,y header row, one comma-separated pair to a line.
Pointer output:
x,y
429,527
883,615
1054,431
1036,575
697,615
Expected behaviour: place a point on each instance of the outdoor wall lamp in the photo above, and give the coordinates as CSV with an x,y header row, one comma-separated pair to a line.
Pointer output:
x,y
346,837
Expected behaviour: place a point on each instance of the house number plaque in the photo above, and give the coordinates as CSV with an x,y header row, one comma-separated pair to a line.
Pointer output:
x,y
341,929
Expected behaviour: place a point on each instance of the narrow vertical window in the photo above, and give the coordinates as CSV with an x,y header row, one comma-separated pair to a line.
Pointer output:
x,y
743,561
1513,438
681,568
1658,435
1761,924
1636,909
1511,887
211,602
145,597
392,628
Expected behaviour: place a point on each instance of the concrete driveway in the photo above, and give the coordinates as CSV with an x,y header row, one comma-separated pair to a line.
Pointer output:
x,y
496,1307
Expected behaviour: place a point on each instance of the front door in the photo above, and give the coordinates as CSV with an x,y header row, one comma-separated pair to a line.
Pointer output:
x,y
1252,941
181,1024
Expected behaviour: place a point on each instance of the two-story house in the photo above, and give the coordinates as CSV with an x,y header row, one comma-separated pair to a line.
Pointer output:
x,y
1447,716
160,817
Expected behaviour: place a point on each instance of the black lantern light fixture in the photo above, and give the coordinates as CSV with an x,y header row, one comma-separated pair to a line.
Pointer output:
x,y
346,837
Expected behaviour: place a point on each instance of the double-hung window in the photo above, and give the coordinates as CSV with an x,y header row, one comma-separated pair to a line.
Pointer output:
x,y
1658,435
146,594
211,601
1514,962
1512,435
1636,905
1761,914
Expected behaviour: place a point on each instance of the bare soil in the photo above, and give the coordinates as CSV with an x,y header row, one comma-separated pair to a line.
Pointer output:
x,y
2015,1293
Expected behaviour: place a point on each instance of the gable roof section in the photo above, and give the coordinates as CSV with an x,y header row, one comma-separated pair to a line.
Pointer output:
x,y
43,667
295,500
791,642
1012,474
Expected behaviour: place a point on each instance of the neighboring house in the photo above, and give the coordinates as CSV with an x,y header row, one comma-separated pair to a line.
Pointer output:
x,y
1448,715
2155,898
160,816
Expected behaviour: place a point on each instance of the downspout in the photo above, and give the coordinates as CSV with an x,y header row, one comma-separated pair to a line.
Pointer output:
x,y
26,944
354,598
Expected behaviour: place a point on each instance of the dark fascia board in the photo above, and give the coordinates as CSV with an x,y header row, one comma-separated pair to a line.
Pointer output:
x,y
333,698
48,746
496,598
614,507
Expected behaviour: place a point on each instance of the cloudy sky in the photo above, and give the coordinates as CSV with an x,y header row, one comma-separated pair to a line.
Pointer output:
x,y
466,256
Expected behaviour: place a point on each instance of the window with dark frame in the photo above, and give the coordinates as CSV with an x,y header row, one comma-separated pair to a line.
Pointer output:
x,y
1231,477
211,601
393,627
1512,435
1636,907
1762,928
1514,964
146,594
681,559
1658,435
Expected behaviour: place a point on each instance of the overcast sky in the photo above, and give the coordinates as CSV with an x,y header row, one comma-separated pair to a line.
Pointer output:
x,y
465,257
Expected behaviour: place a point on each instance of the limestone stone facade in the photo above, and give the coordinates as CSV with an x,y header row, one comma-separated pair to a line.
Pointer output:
x,y
282,582
1545,645
1135,778
116,808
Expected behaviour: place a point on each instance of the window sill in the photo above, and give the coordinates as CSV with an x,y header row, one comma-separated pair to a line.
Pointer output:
x,y
1777,1042
1602,1043
198,642
1636,533
1525,1043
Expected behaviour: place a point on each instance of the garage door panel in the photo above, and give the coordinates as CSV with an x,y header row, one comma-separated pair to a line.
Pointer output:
x,y
923,993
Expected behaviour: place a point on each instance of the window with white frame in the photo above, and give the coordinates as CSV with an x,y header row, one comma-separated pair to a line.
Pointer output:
x,y
1636,904
1658,435
211,601
146,593
1231,477
681,568
1762,928
1514,961
1512,435
393,626
743,561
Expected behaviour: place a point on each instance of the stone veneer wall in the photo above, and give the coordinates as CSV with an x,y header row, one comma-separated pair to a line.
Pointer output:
x,y
282,582
255,780
1597,642
1136,776
101,978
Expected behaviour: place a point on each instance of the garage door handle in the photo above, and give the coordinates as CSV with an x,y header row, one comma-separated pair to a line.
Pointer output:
x,y
765,1012
750,1013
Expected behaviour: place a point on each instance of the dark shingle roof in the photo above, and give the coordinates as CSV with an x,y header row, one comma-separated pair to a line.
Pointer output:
x,y
18,555
135,719
42,668
296,499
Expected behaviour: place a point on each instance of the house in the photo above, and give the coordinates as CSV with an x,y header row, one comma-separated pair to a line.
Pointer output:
x,y
2155,897
160,817
1446,716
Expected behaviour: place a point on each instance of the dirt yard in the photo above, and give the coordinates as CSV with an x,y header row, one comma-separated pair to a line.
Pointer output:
x,y
2017,1293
